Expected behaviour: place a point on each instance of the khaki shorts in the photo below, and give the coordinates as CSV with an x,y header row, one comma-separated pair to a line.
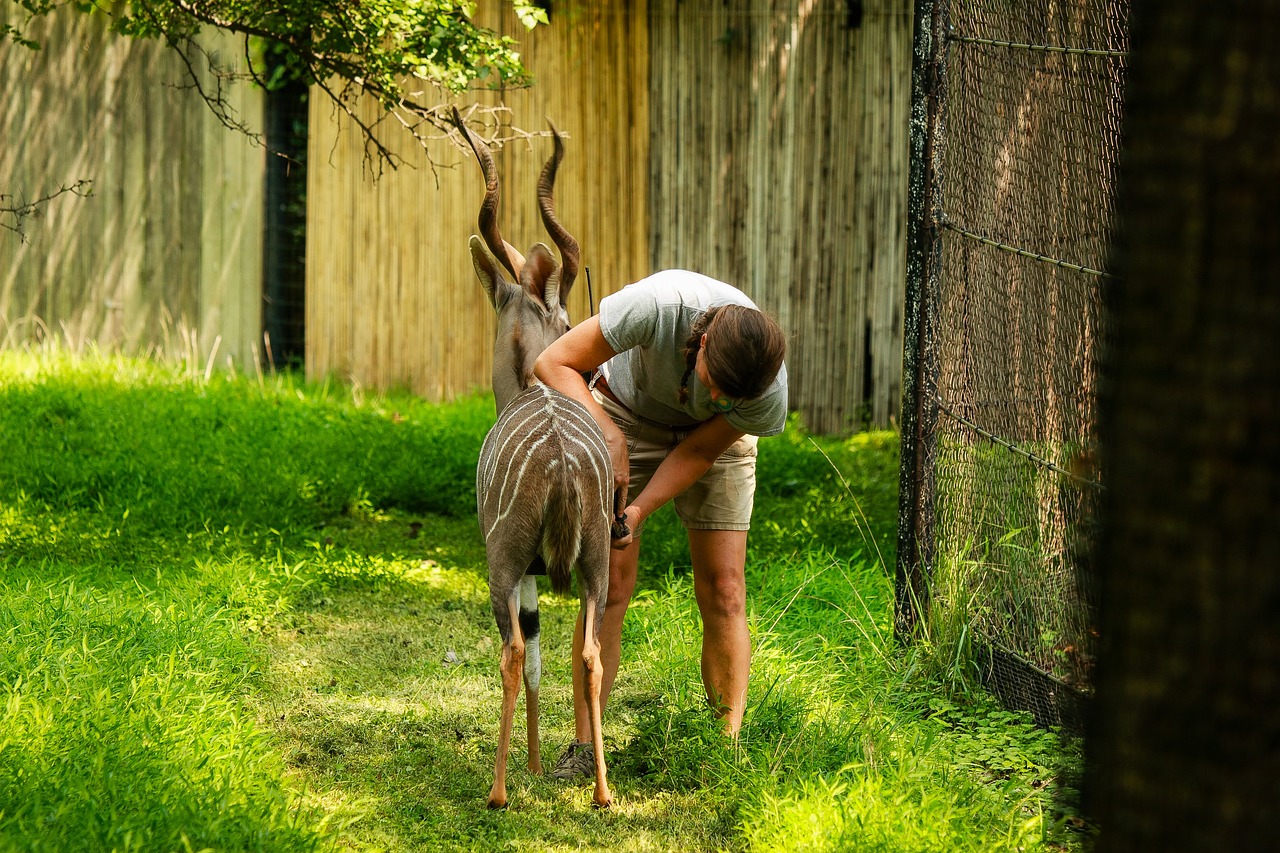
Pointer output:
x,y
721,499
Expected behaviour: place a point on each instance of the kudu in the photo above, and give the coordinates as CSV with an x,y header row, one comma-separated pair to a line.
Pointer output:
x,y
544,479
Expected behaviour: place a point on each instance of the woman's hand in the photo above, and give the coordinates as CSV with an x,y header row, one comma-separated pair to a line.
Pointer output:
x,y
631,518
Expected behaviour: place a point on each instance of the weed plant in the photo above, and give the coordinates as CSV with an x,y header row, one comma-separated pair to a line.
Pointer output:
x,y
250,613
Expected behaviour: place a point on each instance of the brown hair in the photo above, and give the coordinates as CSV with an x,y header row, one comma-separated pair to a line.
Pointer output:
x,y
744,352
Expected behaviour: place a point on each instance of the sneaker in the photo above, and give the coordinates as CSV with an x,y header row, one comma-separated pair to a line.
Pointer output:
x,y
578,760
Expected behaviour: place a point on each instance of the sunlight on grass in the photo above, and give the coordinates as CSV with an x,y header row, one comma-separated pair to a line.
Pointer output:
x,y
930,812
121,729
252,613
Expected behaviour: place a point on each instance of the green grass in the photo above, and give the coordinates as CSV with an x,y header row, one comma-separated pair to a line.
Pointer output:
x,y
242,613
1011,538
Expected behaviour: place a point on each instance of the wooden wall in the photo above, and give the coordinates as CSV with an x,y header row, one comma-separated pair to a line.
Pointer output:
x,y
167,252
760,141
392,298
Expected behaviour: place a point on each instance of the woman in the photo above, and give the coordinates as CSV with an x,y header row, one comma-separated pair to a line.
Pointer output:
x,y
687,373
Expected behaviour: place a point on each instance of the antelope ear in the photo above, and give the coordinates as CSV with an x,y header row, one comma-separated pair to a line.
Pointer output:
x,y
541,276
488,272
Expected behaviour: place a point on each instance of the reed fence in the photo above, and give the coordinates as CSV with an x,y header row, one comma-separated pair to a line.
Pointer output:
x,y
780,165
392,299
762,143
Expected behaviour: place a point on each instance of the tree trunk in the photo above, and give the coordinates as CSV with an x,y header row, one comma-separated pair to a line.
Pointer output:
x,y
1184,753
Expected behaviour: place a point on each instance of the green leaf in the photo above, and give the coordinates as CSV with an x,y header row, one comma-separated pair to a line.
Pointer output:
x,y
530,15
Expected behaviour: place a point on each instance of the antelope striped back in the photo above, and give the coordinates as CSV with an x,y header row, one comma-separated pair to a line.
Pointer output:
x,y
543,474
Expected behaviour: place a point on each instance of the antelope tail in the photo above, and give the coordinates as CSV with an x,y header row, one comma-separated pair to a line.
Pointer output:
x,y
562,524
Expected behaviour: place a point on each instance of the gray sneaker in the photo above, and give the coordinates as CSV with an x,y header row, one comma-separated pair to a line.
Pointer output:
x,y
578,760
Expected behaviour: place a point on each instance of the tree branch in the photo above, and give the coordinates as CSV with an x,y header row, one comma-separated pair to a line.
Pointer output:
x,y
321,66
14,213
346,50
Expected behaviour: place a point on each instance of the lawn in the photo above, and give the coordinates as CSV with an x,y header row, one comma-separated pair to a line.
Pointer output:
x,y
244,612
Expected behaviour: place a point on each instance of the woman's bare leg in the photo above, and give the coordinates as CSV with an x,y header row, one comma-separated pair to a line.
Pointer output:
x,y
720,586
622,583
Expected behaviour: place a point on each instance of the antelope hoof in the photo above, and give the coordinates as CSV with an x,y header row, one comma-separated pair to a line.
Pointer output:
x,y
598,803
496,804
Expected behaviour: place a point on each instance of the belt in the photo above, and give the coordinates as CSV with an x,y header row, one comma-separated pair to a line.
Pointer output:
x,y
603,385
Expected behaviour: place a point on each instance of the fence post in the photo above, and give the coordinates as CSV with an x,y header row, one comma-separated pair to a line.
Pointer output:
x,y
919,408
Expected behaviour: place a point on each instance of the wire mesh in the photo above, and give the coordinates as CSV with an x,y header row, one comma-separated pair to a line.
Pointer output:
x,y
1018,126
285,225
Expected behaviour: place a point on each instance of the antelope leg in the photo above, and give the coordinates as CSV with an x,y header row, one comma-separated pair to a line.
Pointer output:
x,y
532,667
512,668
593,671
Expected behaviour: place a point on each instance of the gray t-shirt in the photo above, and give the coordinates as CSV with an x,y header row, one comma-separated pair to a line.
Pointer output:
x,y
648,323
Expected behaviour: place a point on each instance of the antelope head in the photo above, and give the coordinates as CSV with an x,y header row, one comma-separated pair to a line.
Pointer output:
x,y
531,303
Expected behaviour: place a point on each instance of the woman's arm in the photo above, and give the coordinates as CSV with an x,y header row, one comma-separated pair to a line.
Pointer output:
x,y
581,350
688,461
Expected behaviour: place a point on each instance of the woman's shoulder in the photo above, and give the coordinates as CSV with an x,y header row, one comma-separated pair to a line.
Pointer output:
x,y
689,289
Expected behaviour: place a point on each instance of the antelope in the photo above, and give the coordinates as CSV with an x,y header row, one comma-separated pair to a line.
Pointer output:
x,y
544,479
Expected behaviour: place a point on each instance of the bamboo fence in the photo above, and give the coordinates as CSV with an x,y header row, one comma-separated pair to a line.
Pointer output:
x,y
764,143
392,298
779,165
166,253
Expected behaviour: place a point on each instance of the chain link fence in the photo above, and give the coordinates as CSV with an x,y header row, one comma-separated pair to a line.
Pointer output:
x,y
1015,146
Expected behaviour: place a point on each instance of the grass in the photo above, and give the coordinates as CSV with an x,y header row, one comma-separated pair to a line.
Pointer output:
x,y
1013,538
248,613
